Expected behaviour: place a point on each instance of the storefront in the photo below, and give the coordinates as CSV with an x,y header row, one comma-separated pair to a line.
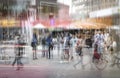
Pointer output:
x,y
9,28
14,21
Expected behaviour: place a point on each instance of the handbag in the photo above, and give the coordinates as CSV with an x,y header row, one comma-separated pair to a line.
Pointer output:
x,y
111,48
96,55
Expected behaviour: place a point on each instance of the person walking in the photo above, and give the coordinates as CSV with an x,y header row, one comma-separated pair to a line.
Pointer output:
x,y
79,45
50,45
43,47
18,54
113,49
34,46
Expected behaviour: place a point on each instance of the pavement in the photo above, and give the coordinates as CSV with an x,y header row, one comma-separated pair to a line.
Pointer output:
x,y
63,70
57,68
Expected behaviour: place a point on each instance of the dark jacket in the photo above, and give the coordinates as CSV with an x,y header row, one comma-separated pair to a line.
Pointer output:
x,y
34,41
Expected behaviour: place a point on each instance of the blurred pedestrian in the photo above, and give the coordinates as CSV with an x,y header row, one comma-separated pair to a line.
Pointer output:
x,y
18,54
34,46
50,45
79,46
43,46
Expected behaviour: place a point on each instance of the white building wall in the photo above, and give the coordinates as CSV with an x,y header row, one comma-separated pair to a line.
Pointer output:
x,y
67,2
104,12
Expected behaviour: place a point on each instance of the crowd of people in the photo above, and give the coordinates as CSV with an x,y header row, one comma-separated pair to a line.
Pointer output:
x,y
71,45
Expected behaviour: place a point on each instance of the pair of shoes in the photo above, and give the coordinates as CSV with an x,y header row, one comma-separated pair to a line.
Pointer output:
x,y
35,58
81,54
74,66
83,67
18,68
49,58
21,66
111,65
12,65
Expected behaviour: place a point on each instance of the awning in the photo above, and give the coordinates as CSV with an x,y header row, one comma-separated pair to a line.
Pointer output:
x,y
39,26
94,23
57,23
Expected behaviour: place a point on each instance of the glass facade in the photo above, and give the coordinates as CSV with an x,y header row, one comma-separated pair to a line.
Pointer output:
x,y
88,6
12,12
103,4
45,8
93,5
101,9
12,8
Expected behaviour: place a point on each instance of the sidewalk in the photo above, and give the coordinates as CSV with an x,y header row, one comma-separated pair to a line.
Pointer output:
x,y
56,61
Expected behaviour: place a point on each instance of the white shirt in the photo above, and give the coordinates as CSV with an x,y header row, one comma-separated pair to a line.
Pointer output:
x,y
114,44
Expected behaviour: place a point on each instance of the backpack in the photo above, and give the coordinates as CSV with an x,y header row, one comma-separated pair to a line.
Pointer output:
x,y
43,41
68,42
79,48
21,41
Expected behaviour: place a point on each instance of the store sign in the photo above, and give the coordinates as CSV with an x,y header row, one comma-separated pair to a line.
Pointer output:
x,y
9,23
104,12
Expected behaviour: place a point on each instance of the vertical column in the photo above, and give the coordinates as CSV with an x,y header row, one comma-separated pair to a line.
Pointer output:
x,y
119,3
31,19
33,2
1,35
33,10
23,27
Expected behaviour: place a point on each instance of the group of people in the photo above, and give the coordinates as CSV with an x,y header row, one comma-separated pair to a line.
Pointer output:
x,y
70,44
46,42
104,43
66,42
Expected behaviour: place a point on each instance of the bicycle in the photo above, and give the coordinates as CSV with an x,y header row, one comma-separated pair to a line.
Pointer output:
x,y
116,59
65,55
100,62
103,61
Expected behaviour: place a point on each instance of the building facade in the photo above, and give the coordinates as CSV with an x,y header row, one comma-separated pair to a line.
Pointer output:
x,y
51,12
104,12
46,7
13,17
